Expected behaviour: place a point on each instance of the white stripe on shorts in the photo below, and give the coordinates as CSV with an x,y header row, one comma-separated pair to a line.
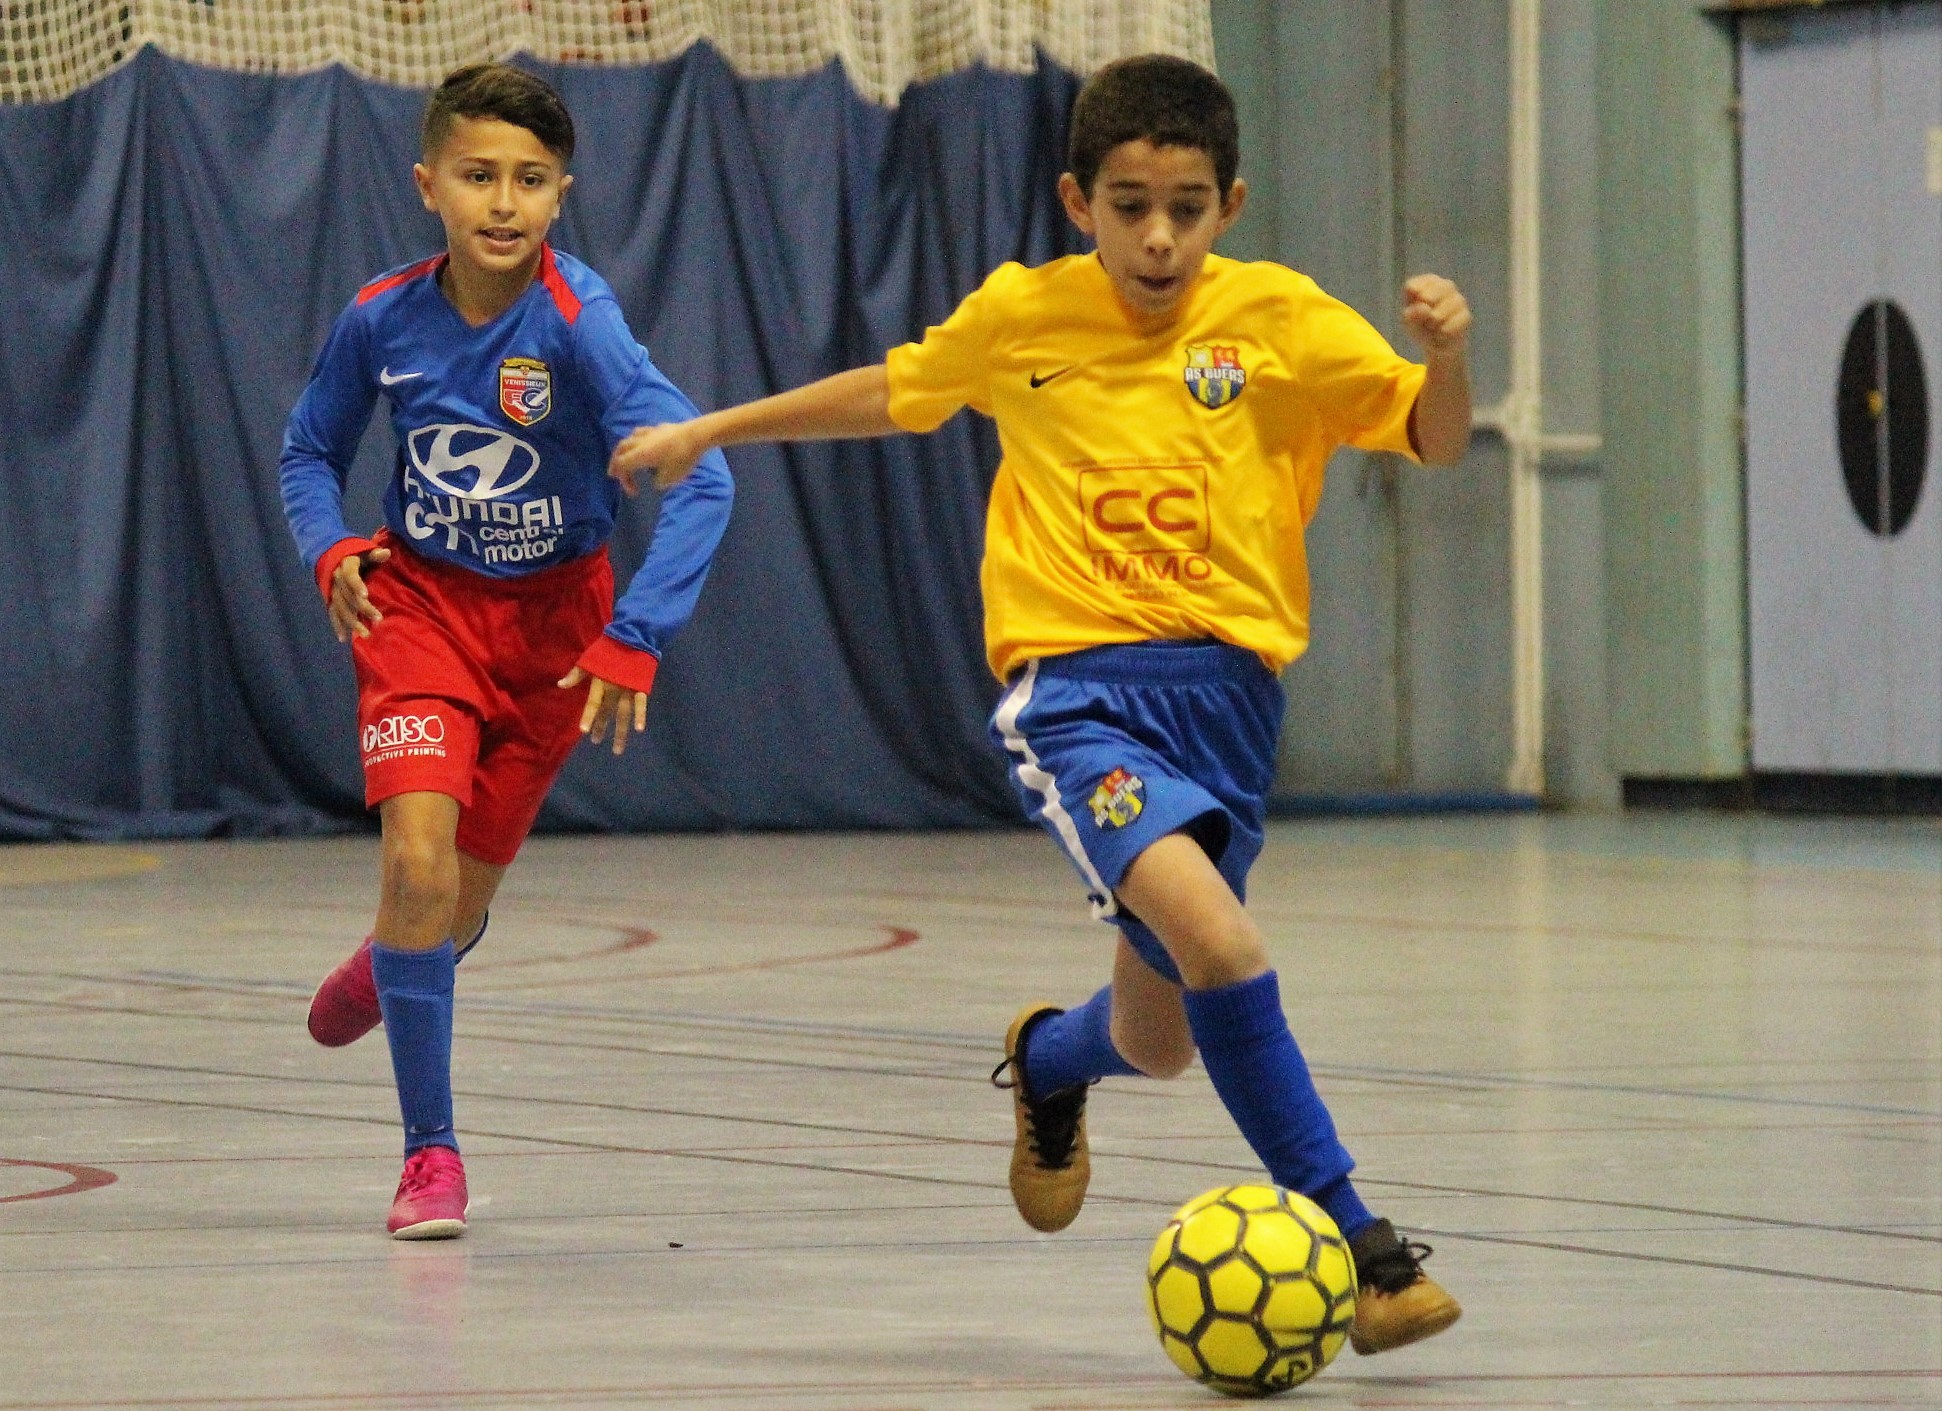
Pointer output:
x,y
1034,777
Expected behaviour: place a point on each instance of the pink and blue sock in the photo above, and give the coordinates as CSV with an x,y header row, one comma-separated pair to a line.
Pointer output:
x,y
1073,1048
1264,1082
415,995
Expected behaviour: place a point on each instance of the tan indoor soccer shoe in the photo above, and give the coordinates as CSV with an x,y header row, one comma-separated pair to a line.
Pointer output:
x,y
1049,1164
1396,1303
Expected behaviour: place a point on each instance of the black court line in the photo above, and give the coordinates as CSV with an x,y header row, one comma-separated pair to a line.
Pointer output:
x,y
388,1252
1727,1266
959,1386
1644,1207
175,981
904,1135
1424,1078
1388,1077
880,1068
840,1169
1515,1081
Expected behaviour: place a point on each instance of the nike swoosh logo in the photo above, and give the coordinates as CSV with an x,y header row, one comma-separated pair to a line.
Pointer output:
x,y
1038,381
392,379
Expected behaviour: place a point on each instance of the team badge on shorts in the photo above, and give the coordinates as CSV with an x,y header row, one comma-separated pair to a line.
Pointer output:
x,y
1117,802
525,389
1214,373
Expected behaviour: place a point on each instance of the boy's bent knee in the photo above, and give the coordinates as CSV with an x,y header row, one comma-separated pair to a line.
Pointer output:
x,y
420,891
1175,889
419,882
420,870
1218,957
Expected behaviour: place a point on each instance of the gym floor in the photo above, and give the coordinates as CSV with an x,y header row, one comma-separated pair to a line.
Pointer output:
x,y
1664,1091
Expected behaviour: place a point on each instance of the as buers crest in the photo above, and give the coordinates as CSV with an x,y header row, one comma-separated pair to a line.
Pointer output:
x,y
1214,373
525,389
1117,802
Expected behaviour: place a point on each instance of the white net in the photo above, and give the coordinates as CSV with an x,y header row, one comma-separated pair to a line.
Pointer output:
x,y
51,48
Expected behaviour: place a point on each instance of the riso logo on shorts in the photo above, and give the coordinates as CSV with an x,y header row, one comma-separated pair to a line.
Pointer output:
x,y
1117,802
418,734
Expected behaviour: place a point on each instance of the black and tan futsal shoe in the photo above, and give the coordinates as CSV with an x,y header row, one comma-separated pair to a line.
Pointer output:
x,y
1396,1303
1049,1164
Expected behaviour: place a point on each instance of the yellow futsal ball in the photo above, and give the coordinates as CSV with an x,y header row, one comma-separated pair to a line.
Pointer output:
x,y
1252,1289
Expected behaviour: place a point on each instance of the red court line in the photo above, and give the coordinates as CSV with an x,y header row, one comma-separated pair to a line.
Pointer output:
x,y
631,938
899,937
83,1178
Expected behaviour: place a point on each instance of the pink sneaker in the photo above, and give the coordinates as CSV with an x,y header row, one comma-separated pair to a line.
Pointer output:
x,y
430,1204
345,1007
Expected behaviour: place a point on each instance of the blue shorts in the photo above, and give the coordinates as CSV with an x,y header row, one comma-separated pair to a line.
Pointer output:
x,y
1115,747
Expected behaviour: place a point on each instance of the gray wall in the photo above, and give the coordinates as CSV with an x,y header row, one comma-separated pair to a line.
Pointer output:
x,y
1375,137
1669,281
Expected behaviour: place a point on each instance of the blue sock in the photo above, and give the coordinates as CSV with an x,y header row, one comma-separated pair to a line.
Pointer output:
x,y
1263,1081
1344,1206
1074,1047
415,993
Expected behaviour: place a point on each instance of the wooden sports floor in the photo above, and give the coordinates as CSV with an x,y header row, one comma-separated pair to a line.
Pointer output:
x,y
1664,1092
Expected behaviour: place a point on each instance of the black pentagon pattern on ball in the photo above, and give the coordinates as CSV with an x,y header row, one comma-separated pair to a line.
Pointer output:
x,y
1255,1357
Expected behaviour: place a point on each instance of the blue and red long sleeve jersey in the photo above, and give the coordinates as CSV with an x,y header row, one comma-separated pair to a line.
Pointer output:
x,y
504,432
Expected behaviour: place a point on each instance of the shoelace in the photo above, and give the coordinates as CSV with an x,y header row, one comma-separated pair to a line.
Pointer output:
x,y
420,1175
1054,1120
1396,1269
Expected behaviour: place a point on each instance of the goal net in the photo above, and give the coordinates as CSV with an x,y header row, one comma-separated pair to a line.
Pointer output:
x,y
51,48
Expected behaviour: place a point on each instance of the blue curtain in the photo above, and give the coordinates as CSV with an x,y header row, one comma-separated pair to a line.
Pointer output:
x,y
181,239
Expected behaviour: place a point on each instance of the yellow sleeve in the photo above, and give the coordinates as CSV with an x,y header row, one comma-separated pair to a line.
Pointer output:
x,y
1363,389
930,380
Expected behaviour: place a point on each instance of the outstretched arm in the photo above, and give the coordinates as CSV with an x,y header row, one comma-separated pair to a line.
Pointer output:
x,y
1438,314
850,404
619,666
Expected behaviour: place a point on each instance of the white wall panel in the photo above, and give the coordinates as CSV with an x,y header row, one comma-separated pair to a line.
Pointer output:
x,y
1846,621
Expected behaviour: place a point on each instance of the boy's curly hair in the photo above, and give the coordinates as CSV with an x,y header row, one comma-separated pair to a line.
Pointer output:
x,y
503,92
1168,101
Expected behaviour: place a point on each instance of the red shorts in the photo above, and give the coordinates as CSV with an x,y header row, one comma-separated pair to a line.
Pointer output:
x,y
457,688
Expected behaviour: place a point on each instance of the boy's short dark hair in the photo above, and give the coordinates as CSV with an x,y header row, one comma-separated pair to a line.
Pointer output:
x,y
1168,101
503,92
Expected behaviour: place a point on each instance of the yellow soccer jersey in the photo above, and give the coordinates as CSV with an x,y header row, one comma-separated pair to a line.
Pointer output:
x,y
1157,473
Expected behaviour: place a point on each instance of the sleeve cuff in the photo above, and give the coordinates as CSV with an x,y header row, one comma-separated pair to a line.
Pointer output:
x,y
911,410
336,554
623,665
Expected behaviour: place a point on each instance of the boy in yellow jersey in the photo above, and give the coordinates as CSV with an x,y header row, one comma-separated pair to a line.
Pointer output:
x,y
1165,416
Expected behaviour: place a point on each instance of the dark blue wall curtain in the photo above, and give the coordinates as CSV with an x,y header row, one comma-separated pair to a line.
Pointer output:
x,y
181,239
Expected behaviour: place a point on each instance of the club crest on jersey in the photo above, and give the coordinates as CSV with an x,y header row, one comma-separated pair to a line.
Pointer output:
x,y
1214,373
1117,802
525,389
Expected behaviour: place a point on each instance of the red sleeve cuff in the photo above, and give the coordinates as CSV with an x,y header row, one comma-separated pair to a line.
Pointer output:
x,y
336,554
620,664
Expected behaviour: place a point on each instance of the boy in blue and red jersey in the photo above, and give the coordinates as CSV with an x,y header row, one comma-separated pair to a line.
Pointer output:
x,y
481,617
